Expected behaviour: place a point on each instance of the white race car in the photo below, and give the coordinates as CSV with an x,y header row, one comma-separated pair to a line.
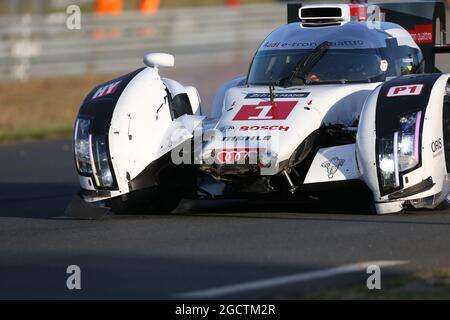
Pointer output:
x,y
330,100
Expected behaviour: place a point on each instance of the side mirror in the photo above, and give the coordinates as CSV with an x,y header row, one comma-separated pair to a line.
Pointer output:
x,y
159,60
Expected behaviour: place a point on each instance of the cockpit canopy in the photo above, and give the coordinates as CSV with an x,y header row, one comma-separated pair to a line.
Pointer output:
x,y
352,53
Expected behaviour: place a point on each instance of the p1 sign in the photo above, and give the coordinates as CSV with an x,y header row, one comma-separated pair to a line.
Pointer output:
x,y
409,90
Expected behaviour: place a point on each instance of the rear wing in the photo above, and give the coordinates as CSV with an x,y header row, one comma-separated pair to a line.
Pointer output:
x,y
425,21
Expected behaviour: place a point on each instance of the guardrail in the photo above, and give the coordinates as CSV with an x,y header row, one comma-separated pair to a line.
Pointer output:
x,y
36,46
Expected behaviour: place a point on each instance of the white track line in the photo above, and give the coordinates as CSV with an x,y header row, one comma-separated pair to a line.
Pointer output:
x,y
284,280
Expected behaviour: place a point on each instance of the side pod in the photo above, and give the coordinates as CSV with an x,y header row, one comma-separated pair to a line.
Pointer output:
x,y
403,143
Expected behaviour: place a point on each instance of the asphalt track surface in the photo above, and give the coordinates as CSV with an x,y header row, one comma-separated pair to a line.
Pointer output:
x,y
239,250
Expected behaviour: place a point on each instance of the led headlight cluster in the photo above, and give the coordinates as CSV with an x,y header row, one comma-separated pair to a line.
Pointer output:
x,y
82,146
103,174
386,162
92,156
408,141
399,152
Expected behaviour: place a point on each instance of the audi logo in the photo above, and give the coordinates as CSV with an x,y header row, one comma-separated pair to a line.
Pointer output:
x,y
238,156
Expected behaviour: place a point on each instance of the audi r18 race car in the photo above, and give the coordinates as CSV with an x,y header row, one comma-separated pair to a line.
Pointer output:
x,y
335,96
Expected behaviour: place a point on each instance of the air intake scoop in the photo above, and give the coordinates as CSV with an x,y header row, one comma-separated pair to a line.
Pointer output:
x,y
331,15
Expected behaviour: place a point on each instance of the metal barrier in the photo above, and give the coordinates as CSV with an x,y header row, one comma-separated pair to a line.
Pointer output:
x,y
36,46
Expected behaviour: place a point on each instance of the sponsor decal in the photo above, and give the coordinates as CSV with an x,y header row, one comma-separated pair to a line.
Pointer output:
x,y
279,95
409,90
106,90
333,166
237,155
436,145
247,138
279,110
422,33
311,44
264,128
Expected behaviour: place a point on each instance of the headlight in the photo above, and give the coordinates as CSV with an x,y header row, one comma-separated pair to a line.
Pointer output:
x,y
387,163
408,141
81,146
399,152
103,175
92,155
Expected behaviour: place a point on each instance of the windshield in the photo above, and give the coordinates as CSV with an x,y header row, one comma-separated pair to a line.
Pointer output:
x,y
281,67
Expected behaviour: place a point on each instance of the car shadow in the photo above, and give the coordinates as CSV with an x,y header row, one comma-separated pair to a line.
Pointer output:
x,y
35,200
309,211
50,201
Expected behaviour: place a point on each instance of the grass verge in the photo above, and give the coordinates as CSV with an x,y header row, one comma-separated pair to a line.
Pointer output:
x,y
425,285
42,108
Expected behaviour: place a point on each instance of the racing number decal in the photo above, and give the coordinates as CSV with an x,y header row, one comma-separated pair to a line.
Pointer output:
x,y
280,110
401,91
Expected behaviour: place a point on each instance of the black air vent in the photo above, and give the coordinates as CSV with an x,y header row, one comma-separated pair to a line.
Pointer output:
x,y
312,13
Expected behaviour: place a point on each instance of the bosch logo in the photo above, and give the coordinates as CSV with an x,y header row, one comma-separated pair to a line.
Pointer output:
x,y
264,128
436,145
232,156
